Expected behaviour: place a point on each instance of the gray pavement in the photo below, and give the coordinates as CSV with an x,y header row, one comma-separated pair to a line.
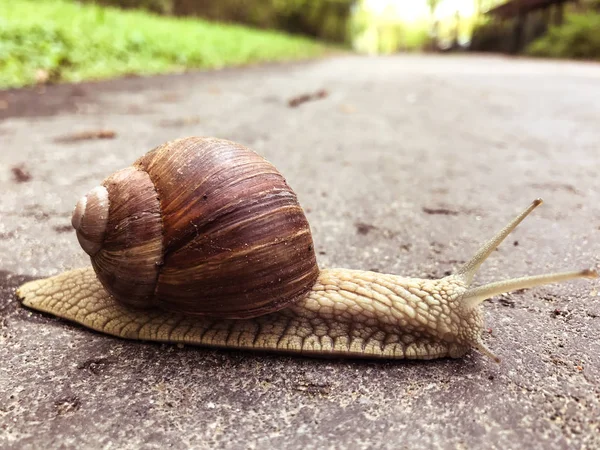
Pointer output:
x,y
405,166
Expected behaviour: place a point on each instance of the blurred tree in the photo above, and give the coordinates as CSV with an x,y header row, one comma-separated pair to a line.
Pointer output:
x,y
433,25
432,5
511,33
481,6
491,36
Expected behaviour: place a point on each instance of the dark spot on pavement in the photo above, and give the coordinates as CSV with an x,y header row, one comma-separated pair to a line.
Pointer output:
x,y
560,312
547,297
364,228
294,102
21,174
453,261
63,228
506,301
441,211
87,135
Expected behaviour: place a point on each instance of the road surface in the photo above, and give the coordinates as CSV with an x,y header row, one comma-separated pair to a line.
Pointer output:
x,y
403,164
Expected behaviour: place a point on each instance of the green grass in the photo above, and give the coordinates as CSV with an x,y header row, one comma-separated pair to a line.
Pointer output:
x,y
67,41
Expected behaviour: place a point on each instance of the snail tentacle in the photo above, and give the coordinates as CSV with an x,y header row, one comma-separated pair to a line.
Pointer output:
x,y
475,296
478,295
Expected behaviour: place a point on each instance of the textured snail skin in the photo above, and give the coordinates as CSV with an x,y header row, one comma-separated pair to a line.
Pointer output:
x,y
347,312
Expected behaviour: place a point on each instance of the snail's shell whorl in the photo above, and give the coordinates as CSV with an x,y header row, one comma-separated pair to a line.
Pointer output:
x,y
201,226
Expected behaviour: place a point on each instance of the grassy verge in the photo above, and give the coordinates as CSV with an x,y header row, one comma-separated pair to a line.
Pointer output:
x,y
60,40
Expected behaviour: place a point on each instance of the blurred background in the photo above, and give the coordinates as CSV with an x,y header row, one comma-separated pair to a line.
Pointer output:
x,y
48,41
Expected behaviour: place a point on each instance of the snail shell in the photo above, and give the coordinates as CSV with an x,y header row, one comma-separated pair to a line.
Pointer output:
x,y
202,226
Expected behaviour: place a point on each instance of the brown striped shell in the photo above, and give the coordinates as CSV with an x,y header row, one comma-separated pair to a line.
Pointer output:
x,y
202,226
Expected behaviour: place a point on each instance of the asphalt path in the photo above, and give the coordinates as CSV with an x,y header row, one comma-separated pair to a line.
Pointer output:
x,y
403,164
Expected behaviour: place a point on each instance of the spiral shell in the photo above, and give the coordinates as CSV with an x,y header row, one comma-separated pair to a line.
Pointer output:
x,y
202,226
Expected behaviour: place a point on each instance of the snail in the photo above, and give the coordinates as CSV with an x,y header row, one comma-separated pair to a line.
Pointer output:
x,y
201,241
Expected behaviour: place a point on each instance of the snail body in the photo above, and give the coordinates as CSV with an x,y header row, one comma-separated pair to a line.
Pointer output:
x,y
202,241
